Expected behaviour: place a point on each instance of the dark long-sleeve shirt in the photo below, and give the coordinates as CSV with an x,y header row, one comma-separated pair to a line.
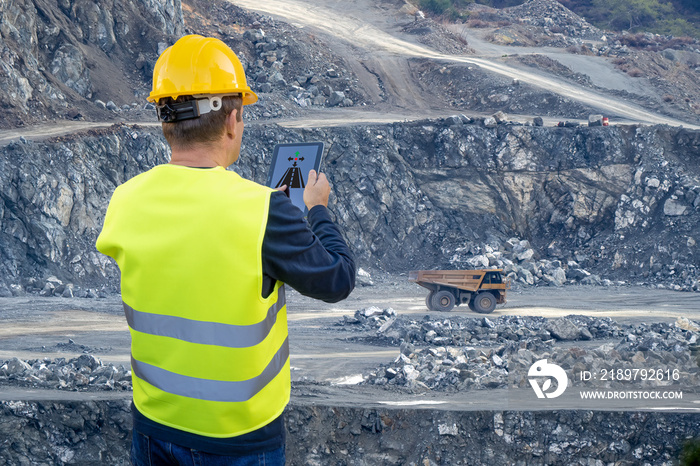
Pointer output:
x,y
318,265
313,259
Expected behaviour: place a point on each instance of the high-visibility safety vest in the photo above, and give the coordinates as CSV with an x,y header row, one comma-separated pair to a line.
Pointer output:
x,y
209,354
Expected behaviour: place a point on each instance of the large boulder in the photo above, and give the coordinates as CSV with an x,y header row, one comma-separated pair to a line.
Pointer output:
x,y
563,329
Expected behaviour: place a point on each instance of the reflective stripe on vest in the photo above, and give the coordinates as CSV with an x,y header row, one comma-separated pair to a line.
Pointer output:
x,y
211,390
205,333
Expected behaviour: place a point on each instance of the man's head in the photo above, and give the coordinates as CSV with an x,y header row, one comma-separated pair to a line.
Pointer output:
x,y
198,86
206,129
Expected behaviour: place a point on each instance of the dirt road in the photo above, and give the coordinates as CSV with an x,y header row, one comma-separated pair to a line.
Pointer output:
x,y
601,71
369,27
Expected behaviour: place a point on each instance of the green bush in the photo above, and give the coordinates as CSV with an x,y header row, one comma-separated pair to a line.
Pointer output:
x,y
677,27
670,17
438,7
690,456
446,8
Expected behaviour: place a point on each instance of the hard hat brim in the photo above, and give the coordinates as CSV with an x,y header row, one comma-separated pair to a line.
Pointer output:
x,y
249,97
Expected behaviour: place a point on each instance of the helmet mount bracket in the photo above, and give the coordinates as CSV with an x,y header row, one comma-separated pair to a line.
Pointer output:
x,y
179,111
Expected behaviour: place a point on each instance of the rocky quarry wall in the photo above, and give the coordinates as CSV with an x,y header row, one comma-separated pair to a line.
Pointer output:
x,y
93,60
98,432
58,56
598,205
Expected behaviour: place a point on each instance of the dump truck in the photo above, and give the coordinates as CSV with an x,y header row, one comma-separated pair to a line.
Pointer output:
x,y
481,289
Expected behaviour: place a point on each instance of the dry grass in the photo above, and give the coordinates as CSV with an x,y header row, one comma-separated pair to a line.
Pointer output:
x,y
478,23
655,43
580,49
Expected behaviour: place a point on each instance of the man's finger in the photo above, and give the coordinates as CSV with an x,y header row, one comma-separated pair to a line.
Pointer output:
x,y
312,177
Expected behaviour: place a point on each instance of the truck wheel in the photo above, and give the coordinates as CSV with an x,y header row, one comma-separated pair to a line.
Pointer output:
x,y
484,303
443,301
429,301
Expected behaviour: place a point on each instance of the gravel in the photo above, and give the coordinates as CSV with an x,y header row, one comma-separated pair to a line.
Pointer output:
x,y
460,353
84,373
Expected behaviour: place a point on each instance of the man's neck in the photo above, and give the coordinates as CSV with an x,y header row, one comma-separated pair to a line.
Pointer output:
x,y
200,157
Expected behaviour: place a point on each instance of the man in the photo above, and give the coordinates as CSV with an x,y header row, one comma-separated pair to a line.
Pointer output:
x,y
203,254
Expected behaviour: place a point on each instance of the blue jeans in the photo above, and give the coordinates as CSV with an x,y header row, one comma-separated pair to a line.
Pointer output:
x,y
149,451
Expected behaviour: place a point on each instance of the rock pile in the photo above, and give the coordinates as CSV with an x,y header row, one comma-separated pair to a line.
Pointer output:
x,y
670,45
479,353
83,373
554,18
436,36
275,66
459,331
52,286
544,23
370,318
521,264
452,354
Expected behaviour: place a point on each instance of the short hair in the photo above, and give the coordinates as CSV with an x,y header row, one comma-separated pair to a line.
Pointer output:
x,y
205,129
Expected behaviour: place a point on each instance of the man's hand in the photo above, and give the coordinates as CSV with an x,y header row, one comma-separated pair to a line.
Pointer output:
x,y
317,190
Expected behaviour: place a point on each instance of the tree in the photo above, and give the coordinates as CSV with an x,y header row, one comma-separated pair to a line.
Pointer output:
x,y
633,14
692,6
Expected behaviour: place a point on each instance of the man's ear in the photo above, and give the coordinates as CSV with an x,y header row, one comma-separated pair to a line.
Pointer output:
x,y
231,126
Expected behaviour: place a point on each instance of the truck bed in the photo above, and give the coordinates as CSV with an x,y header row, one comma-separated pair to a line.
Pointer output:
x,y
467,280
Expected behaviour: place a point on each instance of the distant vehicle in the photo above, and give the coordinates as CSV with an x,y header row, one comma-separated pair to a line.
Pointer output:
x,y
480,289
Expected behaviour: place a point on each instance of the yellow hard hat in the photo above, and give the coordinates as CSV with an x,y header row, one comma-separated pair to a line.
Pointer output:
x,y
197,65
